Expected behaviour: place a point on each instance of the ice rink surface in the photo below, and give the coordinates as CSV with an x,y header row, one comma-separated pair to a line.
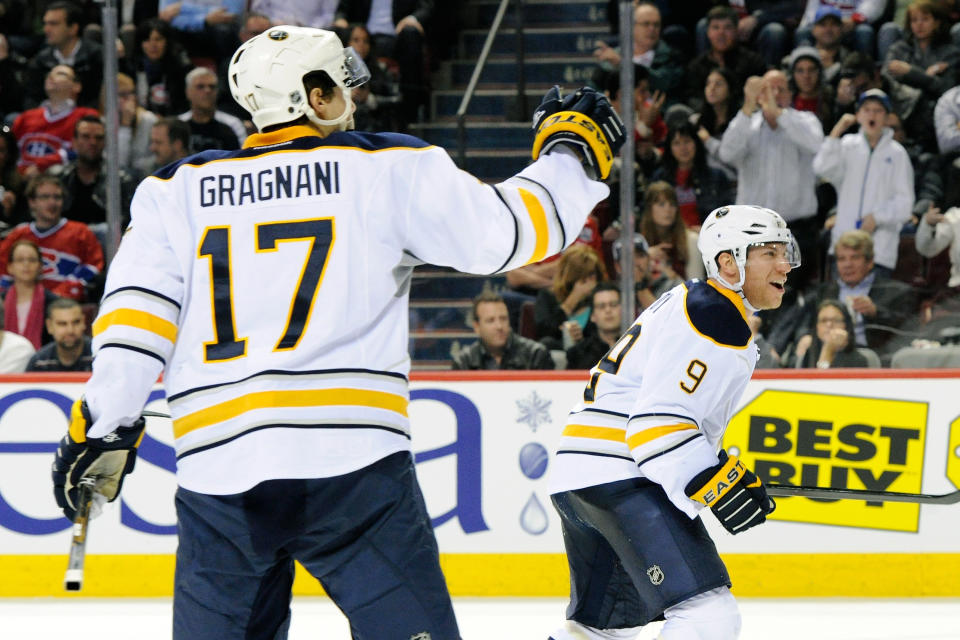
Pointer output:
x,y
496,619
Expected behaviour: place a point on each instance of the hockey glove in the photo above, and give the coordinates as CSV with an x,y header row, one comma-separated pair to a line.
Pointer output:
x,y
107,460
584,121
734,494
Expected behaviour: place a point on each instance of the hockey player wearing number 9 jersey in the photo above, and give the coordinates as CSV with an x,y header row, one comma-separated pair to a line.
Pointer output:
x,y
638,460
269,285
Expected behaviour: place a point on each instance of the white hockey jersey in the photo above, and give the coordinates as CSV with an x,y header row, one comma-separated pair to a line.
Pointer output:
x,y
658,403
270,286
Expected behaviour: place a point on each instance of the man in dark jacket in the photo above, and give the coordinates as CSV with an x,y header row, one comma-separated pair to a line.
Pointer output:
x,y
61,26
602,332
498,347
724,51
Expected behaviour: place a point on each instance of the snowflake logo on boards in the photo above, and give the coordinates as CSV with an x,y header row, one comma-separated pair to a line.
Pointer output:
x,y
534,411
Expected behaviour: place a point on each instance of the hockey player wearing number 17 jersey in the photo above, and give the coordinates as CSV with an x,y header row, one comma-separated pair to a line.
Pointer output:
x,y
638,460
269,285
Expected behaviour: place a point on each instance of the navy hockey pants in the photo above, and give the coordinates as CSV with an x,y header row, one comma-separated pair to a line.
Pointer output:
x,y
365,536
632,554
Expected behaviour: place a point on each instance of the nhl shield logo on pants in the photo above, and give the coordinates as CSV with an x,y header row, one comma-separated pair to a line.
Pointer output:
x,y
655,574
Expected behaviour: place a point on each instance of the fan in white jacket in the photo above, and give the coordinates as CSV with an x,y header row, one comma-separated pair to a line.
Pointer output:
x,y
872,175
939,231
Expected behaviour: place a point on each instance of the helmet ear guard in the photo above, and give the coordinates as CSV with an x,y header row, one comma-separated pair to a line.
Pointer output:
x,y
266,74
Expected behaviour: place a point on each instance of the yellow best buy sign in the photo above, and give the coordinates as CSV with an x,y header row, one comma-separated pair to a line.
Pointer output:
x,y
825,440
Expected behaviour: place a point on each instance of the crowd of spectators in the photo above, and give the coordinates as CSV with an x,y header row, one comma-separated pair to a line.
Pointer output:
x,y
841,119
171,101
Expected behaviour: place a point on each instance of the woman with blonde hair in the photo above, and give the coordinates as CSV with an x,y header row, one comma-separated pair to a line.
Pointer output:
x,y
673,245
565,304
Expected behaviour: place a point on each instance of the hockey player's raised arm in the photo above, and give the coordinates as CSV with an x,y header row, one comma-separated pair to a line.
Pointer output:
x,y
452,219
136,326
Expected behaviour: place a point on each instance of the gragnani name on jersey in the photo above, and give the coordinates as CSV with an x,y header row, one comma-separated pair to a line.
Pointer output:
x,y
286,181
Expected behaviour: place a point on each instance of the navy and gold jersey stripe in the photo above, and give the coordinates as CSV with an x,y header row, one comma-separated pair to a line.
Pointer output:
x,y
143,291
297,138
137,319
287,425
339,373
717,314
289,398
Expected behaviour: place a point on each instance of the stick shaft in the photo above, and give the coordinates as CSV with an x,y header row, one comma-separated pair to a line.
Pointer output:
x,y
73,580
828,493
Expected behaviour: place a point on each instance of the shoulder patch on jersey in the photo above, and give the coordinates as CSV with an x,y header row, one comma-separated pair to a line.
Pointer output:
x,y
716,316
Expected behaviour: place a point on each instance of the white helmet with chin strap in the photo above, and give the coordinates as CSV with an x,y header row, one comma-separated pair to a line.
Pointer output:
x,y
266,74
736,228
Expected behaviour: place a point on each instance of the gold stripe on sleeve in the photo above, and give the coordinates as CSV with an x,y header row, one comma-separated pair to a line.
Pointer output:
x,y
539,219
288,399
645,436
597,433
137,319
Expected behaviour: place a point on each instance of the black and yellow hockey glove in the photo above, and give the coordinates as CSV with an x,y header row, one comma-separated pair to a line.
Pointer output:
x,y
583,120
107,460
734,494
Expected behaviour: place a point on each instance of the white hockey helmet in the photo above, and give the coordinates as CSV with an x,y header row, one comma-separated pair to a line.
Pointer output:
x,y
736,228
266,73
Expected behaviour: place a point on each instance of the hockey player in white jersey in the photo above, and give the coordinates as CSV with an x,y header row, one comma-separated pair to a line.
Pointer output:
x,y
638,458
269,285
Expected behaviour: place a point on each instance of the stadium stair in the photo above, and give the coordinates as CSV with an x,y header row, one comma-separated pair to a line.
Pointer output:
x,y
558,42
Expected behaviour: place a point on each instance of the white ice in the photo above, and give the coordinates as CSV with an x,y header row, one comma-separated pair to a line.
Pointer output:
x,y
496,619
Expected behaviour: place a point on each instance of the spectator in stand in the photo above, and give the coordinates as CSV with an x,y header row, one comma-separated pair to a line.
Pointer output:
x,y
398,33
721,100
872,175
563,307
724,51
700,187
827,38
946,120
318,13
26,300
209,128
603,330
45,134
13,207
169,142
206,27
860,74
939,232
772,145
673,245
858,20
72,256
15,350
763,25
646,287
133,135
84,179
69,349
665,65
61,26
810,92
160,66
877,304
830,343
378,98
926,58
498,347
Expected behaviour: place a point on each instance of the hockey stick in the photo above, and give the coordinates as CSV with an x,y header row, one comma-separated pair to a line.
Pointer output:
x,y
73,581
827,493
